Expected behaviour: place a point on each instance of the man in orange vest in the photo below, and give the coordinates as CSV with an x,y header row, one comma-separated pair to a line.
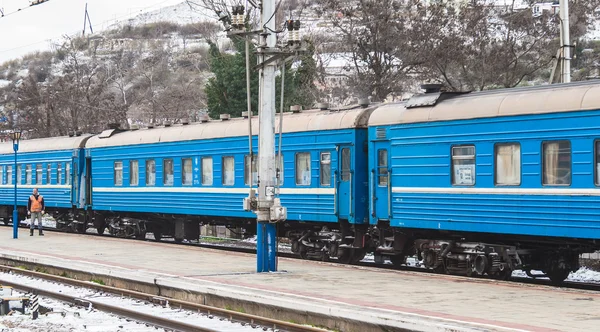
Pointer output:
x,y
35,207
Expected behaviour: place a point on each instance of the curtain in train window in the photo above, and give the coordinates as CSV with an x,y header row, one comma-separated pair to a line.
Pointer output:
x,y
28,175
303,169
68,173
463,165
118,173
9,175
228,171
168,172
280,174
207,171
134,173
19,174
38,174
325,169
150,172
186,174
59,174
597,147
557,163
508,164
250,169
48,173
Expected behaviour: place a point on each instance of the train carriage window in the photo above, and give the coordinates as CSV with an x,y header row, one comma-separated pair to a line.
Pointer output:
x,y
228,169
118,173
19,179
68,173
303,175
134,173
186,173
59,174
150,172
557,163
250,170
28,175
508,164
597,161
382,167
48,173
325,169
2,180
207,171
345,171
38,174
280,174
9,175
463,165
168,172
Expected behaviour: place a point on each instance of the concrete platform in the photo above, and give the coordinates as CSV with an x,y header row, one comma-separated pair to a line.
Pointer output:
x,y
349,296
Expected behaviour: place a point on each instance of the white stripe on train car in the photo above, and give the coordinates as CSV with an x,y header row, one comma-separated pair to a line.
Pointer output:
x,y
498,191
40,186
212,190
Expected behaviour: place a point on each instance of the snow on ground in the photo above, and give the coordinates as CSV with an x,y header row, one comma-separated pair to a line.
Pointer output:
x,y
46,222
83,319
4,83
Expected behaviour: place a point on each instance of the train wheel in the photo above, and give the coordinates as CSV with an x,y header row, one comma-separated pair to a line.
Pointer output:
x,y
101,229
157,235
141,236
558,276
344,255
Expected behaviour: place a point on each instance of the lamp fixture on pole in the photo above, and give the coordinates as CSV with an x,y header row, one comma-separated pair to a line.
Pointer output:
x,y
16,137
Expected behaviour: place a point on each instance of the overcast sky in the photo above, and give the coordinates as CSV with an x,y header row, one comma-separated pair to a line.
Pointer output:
x,y
32,28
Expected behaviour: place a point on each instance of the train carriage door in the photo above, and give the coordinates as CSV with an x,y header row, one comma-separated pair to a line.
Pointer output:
x,y
381,181
344,187
72,172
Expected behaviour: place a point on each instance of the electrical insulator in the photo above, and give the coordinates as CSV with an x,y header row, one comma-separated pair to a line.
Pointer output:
x,y
293,27
237,13
297,31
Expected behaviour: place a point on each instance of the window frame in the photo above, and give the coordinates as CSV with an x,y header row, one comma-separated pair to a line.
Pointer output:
x,y
131,172
309,168
28,174
321,163
9,180
164,173
183,172
280,162
59,175
379,174
68,173
223,171
212,171
39,174
596,160
148,162
345,173
48,173
19,176
115,170
2,181
248,174
501,144
543,155
459,157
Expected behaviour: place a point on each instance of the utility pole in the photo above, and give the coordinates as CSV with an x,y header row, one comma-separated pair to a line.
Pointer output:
x,y
565,42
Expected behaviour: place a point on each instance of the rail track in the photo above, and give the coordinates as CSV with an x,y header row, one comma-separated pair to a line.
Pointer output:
x,y
140,316
250,250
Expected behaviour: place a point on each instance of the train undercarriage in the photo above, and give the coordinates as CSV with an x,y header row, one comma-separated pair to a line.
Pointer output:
x,y
459,256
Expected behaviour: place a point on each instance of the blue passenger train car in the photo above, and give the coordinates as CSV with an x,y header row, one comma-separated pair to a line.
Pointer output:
x,y
188,174
492,180
53,165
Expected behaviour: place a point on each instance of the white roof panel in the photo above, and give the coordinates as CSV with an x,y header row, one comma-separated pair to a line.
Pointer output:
x,y
46,144
310,120
505,102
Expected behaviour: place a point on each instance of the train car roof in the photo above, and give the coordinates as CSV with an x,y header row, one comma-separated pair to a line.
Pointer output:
x,y
46,144
502,102
309,120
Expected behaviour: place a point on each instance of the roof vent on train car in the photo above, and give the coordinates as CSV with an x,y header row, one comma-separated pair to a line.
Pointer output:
x,y
134,127
245,114
78,133
380,133
185,121
167,123
363,102
296,108
224,117
114,126
323,106
150,126
71,133
432,88
203,118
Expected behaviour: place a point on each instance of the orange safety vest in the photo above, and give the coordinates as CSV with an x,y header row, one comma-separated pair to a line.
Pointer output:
x,y
36,204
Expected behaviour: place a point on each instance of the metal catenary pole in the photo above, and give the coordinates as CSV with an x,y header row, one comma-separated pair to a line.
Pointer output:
x,y
566,44
266,231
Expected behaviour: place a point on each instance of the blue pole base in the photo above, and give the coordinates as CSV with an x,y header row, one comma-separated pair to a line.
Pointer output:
x,y
266,247
15,224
